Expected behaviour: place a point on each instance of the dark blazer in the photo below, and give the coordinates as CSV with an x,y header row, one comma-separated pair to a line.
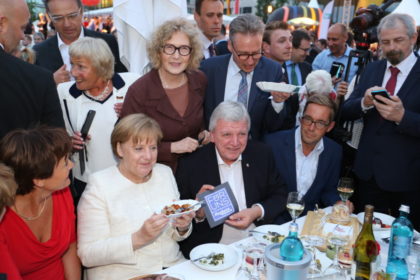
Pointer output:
x,y
147,96
324,188
263,184
388,152
28,96
48,55
263,117
305,68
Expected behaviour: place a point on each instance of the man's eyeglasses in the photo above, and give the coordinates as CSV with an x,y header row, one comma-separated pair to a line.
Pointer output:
x,y
308,121
170,49
245,56
59,18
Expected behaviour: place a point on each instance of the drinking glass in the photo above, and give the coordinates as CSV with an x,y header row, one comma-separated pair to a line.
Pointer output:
x,y
242,273
295,204
338,240
345,188
254,259
311,241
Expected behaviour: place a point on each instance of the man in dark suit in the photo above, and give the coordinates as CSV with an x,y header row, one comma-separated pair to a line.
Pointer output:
x,y
52,54
388,158
28,93
296,68
248,167
306,159
234,77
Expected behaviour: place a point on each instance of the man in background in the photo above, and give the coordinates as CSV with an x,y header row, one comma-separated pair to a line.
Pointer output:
x,y
277,42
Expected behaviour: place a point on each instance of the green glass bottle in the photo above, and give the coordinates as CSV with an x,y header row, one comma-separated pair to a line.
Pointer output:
x,y
366,249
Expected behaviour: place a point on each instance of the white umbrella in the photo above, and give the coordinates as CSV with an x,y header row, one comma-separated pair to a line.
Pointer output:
x,y
135,21
410,7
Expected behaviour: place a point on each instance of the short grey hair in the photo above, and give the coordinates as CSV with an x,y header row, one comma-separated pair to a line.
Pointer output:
x,y
391,20
97,51
229,111
319,81
246,24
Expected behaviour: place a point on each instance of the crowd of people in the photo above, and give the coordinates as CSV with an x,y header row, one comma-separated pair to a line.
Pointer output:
x,y
89,153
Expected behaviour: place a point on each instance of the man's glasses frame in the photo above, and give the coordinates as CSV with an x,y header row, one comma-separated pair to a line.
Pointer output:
x,y
245,56
308,121
70,16
170,49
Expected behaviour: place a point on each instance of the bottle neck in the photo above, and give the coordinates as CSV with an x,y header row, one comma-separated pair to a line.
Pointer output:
x,y
293,230
403,214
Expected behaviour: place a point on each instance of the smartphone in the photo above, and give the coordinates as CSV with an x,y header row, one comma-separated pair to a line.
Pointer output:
x,y
88,122
337,69
380,92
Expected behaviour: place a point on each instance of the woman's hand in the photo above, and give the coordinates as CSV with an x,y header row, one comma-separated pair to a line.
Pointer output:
x,y
77,141
150,229
118,108
186,145
183,222
205,135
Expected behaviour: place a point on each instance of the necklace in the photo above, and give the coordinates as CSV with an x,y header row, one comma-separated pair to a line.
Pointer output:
x,y
34,217
166,86
104,94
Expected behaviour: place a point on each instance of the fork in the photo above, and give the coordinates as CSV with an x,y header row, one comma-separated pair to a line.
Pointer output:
x,y
204,257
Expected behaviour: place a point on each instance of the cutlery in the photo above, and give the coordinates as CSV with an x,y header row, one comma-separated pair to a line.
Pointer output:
x,y
204,257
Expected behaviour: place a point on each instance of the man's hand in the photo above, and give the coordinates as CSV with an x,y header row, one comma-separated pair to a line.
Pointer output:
x,y
117,108
335,80
200,213
61,75
368,97
186,145
392,109
280,97
244,218
342,88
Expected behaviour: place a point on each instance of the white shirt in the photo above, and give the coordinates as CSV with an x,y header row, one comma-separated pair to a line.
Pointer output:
x,y
205,45
64,51
306,166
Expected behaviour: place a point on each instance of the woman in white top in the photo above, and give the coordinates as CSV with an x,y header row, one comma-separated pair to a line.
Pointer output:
x,y
120,234
97,88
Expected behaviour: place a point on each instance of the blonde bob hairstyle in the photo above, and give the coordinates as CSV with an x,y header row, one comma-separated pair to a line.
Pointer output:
x,y
97,52
164,33
137,128
8,186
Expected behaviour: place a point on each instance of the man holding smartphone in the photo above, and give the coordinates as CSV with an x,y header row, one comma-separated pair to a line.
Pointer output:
x,y
388,159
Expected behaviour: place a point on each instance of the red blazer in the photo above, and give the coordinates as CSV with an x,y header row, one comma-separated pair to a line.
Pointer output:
x,y
147,96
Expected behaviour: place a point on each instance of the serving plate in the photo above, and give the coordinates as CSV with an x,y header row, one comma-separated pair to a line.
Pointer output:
x,y
191,202
230,256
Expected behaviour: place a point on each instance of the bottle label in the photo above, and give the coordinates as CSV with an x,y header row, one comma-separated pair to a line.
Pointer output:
x,y
401,246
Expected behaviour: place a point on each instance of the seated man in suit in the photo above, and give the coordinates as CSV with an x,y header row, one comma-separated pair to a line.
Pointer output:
x,y
53,53
308,161
249,168
234,76
296,68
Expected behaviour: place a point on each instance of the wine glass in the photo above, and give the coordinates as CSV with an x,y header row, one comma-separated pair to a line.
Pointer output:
x,y
311,241
242,273
254,258
295,205
345,188
337,239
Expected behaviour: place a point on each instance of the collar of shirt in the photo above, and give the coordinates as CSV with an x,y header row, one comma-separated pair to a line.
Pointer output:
x,y
206,43
220,161
233,79
404,66
289,62
1,46
61,43
346,52
298,143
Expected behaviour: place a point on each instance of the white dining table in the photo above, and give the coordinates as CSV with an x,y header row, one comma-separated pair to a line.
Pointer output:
x,y
191,272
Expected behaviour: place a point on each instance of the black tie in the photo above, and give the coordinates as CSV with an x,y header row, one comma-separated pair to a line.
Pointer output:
x,y
212,51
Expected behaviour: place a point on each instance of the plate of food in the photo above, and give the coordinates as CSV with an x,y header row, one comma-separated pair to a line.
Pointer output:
x,y
214,256
279,87
380,222
269,234
178,208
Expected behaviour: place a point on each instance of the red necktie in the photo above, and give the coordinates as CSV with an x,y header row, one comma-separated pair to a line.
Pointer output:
x,y
392,82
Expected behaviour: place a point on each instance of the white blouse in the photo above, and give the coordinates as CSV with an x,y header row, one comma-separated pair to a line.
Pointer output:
x,y
110,210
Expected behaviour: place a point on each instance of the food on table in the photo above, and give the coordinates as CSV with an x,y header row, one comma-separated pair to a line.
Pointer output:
x,y
273,237
345,258
378,224
340,214
330,252
214,259
176,208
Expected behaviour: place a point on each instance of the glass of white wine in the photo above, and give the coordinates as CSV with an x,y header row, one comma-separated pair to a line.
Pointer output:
x,y
345,188
338,240
295,205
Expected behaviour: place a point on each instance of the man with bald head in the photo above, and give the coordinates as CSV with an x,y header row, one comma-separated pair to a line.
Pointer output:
x,y
28,93
337,51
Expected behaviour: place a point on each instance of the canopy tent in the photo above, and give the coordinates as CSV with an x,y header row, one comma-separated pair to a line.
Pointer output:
x,y
287,13
409,7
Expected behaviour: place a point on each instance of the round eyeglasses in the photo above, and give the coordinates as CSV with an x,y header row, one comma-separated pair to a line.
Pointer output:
x,y
170,49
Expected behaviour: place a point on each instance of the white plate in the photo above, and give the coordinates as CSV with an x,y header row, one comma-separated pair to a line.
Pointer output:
x,y
265,229
181,202
386,219
280,87
231,257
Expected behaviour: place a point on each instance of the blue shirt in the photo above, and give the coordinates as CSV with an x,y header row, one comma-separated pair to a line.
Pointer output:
x,y
325,59
289,64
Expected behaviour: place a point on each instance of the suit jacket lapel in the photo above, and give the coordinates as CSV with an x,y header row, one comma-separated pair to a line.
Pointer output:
x,y
411,80
220,81
247,175
55,55
257,76
195,97
290,151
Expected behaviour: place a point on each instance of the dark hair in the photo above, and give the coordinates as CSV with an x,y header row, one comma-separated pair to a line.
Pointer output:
x,y
198,4
271,26
323,100
34,153
298,36
79,4
323,42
